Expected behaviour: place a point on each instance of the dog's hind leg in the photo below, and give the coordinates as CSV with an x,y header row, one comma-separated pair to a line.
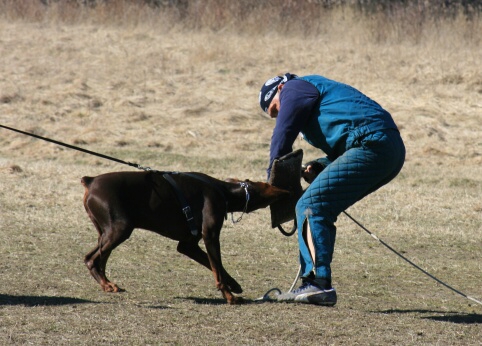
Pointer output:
x,y
96,260
91,259
193,251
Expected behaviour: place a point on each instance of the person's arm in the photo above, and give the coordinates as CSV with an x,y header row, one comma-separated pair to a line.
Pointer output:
x,y
297,99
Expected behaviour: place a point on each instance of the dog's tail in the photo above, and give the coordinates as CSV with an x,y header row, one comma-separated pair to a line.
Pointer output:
x,y
86,181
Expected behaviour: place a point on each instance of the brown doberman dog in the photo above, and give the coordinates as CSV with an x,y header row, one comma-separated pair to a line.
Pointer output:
x,y
162,202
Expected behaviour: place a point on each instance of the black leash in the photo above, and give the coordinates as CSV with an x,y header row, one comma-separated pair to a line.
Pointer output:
x,y
288,233
186,209
77,148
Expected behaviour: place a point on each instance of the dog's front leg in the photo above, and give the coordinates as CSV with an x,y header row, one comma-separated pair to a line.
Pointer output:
x,y
211,240
193,251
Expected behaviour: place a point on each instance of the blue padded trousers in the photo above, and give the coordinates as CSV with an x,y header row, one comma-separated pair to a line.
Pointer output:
x,y
369,163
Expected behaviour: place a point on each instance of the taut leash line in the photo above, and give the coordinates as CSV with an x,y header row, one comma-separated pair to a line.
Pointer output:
x,y
77,148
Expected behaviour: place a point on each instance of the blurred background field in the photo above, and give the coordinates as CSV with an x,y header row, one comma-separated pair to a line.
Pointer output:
x,y
174,85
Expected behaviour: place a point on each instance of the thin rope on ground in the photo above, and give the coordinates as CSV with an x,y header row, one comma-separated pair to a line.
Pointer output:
x,y
413,264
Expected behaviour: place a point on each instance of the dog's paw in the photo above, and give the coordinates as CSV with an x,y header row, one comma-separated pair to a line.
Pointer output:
x,y
236,301
111,287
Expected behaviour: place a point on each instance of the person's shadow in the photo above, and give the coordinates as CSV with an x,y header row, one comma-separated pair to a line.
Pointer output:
x,y
442,316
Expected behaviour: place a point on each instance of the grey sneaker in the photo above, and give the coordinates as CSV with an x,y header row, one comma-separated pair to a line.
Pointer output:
x,y
311,294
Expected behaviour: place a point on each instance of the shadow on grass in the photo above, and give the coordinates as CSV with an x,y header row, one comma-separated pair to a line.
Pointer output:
x,y
207,301
220,301
40,300
445,316
457,318
155,307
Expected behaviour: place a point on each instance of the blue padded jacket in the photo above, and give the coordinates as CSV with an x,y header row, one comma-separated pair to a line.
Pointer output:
x,y
331,116
343,116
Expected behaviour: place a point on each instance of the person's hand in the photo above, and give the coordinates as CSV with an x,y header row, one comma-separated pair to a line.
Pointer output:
x,y
310,170
308,173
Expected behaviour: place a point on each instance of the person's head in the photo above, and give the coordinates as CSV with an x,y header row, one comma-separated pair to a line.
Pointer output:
x,y
269,94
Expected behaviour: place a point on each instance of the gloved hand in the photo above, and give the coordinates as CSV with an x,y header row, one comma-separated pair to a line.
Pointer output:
x,y
310,170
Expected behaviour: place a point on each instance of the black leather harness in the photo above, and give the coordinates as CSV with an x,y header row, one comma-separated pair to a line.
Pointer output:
x,y
186,208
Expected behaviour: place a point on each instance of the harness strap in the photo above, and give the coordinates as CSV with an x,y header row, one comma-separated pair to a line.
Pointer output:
x,y
204,179
186,209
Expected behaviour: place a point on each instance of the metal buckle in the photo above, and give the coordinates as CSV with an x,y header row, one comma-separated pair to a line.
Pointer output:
x,y
187,213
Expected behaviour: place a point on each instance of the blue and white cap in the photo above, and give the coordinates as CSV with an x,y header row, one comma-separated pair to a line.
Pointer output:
x,y
269,89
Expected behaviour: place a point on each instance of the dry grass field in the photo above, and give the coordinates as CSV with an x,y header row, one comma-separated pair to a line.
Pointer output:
x,y
187,100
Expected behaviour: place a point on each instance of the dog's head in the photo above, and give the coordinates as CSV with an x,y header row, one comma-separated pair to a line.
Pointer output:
x,y
261,194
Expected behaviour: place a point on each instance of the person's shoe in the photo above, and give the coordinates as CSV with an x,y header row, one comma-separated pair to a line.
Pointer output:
x,y
311,294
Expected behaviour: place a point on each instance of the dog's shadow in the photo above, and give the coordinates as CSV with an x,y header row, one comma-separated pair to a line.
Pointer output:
x,y
31,301
220,301
442,316
204,301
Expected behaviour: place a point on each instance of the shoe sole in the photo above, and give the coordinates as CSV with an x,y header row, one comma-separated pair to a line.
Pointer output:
x,y
327,298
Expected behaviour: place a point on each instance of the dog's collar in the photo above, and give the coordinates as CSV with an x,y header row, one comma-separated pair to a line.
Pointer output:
x,y
245,186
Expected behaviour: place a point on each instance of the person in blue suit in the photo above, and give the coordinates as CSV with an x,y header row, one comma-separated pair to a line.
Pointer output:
x,y
363,151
